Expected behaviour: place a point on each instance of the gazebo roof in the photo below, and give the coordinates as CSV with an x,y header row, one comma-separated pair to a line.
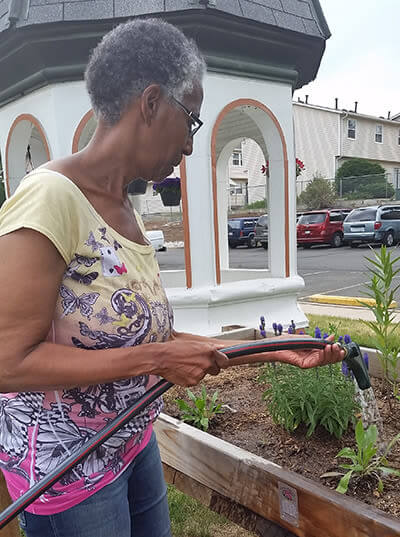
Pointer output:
x,y
49,41
303,16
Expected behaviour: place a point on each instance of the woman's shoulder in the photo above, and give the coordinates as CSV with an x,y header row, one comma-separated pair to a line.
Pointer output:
x,y
44,180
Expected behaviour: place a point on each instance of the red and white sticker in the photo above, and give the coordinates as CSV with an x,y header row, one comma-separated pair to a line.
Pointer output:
x,y
288,504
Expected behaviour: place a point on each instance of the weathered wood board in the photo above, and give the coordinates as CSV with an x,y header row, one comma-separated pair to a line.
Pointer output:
x,y
302,506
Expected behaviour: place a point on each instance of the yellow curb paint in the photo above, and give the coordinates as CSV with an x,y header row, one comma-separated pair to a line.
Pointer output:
x,y
345,300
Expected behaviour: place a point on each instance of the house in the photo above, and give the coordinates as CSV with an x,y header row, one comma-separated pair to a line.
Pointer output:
x,y
326,137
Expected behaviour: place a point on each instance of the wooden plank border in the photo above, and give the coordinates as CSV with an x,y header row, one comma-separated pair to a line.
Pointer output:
x,y
254,483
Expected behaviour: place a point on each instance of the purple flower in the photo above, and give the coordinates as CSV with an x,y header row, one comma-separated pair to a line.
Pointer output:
x,y
340,339
275,328
345,369
317,333
366,360
347,339
280,329
262,319
293,326
290,329
302,332
170,183
263,333
325,335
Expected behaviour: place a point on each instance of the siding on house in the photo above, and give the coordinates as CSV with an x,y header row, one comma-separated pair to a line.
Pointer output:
x,y
364,146
316,140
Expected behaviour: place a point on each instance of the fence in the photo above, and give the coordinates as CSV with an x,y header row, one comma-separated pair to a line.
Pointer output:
x,y
385,184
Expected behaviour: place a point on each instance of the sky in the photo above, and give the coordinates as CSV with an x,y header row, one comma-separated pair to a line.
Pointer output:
x,y
361,60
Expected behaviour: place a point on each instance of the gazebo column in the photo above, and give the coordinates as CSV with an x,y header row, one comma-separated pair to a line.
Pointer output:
x,y
201,221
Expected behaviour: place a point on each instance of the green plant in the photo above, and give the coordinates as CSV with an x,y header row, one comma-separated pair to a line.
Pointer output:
x,y
359,178
321,396
319,194
201,410
365,462
381,289
259,204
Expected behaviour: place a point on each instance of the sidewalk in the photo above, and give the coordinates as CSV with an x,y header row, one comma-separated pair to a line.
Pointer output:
x,y
351,312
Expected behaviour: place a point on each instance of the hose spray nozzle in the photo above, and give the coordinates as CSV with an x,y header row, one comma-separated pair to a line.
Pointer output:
x,y
355,363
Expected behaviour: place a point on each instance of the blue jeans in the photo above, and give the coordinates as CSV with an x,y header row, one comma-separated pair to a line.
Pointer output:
x,y
134,505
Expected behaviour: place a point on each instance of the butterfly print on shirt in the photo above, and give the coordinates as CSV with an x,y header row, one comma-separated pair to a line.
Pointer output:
x,y
71,302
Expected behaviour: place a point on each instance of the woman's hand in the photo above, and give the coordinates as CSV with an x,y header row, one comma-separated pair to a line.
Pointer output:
x,y
186,362
314,357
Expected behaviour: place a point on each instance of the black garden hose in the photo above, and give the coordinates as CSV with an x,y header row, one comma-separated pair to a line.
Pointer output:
x,y
353,359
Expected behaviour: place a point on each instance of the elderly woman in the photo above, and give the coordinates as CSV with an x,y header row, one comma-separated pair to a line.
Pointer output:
x,y
85,323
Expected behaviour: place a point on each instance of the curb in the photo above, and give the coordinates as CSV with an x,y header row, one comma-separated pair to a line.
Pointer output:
x,y
345,300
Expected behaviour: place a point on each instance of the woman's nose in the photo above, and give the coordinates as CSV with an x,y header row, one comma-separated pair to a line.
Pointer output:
x,y
188,149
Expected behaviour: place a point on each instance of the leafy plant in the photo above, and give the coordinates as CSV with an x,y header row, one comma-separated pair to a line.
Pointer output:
x,y
321,396
201,410
362,179
319,194
381,289
365,462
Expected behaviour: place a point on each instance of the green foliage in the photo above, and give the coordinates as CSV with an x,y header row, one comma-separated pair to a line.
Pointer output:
x,y
382,289
362,179
365,461
201,410
260,204
190,518
321,396
359,332
319,194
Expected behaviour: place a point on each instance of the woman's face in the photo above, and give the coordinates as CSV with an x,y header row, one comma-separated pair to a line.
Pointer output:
x,y
169,135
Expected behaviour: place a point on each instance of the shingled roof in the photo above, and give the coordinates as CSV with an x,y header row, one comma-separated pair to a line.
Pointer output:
x,y
303,16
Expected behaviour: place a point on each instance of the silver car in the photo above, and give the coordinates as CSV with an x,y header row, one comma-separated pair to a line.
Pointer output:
x,y
376,224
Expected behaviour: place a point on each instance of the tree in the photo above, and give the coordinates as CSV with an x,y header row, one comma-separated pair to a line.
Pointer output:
x,y
319,194
360,178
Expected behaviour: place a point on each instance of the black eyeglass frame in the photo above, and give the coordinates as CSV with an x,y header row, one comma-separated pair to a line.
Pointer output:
x,y
194,117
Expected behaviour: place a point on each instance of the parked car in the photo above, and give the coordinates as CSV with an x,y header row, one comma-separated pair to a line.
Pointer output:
x,y
241,232
375,224
321,227
156,237
261,231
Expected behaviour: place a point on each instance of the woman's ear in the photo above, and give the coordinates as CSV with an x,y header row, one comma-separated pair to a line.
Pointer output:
x,y
150,103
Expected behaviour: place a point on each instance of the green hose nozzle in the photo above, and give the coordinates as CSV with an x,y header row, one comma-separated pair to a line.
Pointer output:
x,y
356,364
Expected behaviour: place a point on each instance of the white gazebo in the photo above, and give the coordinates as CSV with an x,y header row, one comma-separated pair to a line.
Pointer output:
x,y
257,53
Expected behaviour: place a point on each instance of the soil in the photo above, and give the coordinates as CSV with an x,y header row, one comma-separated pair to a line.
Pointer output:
x,y
172,225
246,424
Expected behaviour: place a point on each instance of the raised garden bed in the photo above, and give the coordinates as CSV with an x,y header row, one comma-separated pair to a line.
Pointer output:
x,y
246,425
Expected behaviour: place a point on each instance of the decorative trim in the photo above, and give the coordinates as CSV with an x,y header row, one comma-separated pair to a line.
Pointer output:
x,y
186,224
222,114
37,124
78,132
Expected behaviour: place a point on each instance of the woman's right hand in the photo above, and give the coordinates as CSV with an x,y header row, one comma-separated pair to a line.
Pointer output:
x,y
186,362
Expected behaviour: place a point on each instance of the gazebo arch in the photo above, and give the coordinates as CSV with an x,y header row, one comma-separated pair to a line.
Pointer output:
x,y
251,119
84,131
26,148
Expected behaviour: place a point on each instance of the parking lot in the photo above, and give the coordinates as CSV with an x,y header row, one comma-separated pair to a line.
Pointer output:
x,y
332,271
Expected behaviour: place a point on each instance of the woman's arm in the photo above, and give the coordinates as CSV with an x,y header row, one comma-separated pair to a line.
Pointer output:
x,y
31,271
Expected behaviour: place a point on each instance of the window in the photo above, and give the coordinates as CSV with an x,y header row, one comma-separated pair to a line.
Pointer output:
x,y
396,177
351,128
237,157
379,134
335,217
312,218
362,215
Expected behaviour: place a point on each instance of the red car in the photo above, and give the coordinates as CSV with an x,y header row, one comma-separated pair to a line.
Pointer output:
x,y
321,227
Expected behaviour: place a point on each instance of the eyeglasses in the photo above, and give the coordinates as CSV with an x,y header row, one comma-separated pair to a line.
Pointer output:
x,y
196,122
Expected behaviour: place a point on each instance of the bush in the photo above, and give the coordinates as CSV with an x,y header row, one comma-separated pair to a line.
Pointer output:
x,y
260,204
319,194
322,396
360,178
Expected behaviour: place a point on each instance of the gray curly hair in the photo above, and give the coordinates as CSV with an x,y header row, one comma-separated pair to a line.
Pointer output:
x,y
136,54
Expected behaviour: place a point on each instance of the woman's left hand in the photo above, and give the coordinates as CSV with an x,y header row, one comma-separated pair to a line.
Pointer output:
x,y
314,357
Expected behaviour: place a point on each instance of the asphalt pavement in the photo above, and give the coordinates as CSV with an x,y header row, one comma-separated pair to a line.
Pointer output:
x,y
330,271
